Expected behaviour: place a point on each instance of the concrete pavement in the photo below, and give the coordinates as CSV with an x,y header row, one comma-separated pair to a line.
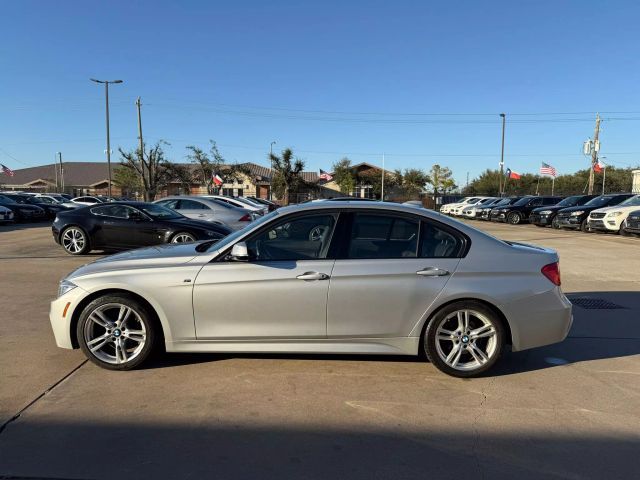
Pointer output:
x,y
570,410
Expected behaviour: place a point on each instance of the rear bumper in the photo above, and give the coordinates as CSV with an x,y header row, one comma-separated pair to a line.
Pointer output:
x,y
539,320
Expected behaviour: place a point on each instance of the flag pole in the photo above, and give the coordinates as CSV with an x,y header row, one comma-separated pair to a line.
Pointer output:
x,y
553,184
604,176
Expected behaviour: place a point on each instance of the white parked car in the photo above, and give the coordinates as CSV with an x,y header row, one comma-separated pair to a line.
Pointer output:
x,y
611,219
471,211
446,208
6,214
87,200
457,210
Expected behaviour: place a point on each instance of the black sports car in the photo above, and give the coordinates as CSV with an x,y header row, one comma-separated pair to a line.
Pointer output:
x,y
545,216
121,225
23,212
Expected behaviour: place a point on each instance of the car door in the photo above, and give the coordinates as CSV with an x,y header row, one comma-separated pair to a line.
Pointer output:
x,y
115,229
393,268
195,209
279,293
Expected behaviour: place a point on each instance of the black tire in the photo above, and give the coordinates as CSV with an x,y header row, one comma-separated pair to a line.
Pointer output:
x,y
182,234
79,235
514,218
584,226
555,223
143,320
431,349
623,232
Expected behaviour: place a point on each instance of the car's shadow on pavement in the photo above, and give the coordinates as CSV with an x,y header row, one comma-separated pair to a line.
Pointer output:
x,y
14,227
605,325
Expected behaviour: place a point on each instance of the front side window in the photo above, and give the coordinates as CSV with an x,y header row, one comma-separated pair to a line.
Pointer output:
x,y
115,211
301,238
383,236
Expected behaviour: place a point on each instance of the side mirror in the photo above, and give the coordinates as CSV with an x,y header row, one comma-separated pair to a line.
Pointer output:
x,y
240,252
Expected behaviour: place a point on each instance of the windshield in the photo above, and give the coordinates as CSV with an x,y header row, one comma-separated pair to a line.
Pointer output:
x,y
631,202
229,239
159,212
522,202
598,201
569,201
4,199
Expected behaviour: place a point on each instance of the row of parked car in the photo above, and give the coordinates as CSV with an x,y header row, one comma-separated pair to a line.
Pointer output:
x,y
615,213
234,212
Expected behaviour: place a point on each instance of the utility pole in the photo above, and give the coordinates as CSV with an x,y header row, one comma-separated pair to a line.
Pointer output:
x,y
595,148
382,189
61,173
271,163
106,92
467,186
504,119
55,169
139,105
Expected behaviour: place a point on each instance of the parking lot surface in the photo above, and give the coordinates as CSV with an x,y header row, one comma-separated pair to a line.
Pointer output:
x,y
570,410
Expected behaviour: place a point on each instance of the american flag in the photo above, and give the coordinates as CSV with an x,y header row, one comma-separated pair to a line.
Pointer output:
x,y
6,170
325,176
547,169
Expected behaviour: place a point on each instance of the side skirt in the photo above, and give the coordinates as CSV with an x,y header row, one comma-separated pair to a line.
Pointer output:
x,y
378,346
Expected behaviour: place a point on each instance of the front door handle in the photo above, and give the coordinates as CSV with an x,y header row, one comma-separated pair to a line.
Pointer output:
x,y
432,272
312,276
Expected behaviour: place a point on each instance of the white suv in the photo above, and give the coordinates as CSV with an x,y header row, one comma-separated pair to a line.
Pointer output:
x,y
610,219
464,202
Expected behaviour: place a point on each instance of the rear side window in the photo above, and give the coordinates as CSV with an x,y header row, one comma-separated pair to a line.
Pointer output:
x,y
382,236
115,211
169,204
192,205
437,242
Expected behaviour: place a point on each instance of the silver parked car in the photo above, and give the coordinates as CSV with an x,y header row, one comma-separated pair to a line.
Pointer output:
x,y
325,277
209,209
240,202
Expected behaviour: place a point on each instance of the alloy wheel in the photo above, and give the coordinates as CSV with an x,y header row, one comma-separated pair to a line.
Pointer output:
x,y
183,238
114,333
73,240
466,340
514,218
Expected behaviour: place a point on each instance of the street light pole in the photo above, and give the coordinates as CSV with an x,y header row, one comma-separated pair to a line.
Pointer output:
x,y
504,118
271,162
106,93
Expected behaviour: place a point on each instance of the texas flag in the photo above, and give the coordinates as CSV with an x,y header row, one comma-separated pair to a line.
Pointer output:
x,y
217,179
512,174
598,166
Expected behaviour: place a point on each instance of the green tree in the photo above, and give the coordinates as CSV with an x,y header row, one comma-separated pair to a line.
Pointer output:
x,y
411,183
128,180
440,179
287,176
343,176
374,179
150,166
204,169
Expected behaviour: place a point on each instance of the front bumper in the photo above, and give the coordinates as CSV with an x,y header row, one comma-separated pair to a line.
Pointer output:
x,y
60,315
632,226
537,219
569,222
498,216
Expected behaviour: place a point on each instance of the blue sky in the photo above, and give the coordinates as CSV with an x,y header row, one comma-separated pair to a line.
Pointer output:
x,y
247,73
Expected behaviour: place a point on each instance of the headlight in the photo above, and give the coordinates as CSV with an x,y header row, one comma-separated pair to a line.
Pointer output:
x,y
614,214
577,214
65,286
545,212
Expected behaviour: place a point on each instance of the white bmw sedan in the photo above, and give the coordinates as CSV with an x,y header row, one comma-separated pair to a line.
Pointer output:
x,y
325,277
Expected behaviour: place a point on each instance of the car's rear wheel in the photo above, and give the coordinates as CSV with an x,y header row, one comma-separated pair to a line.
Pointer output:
x,y
75,241
183,237
514,218
464,339
116,332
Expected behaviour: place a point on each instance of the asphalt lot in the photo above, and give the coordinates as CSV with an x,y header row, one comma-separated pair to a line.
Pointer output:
x,y
570,410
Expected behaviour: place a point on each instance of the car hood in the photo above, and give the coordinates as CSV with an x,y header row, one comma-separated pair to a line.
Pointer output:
x,y
157,256
617,208
579,208
553,208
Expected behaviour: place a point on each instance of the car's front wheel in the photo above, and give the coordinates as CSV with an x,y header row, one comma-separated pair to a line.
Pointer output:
x,y
75,241
555,223
464,339
584,226
116,332
183,237
514,218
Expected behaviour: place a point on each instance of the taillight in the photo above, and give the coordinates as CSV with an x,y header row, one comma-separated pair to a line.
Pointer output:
x,y
552,272
245,218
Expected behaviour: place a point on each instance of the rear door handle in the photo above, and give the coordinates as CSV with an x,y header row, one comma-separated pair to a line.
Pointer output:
x,y
432,272
312,276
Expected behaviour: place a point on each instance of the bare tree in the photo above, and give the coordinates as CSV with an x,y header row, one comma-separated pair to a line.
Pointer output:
x,y
151,166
